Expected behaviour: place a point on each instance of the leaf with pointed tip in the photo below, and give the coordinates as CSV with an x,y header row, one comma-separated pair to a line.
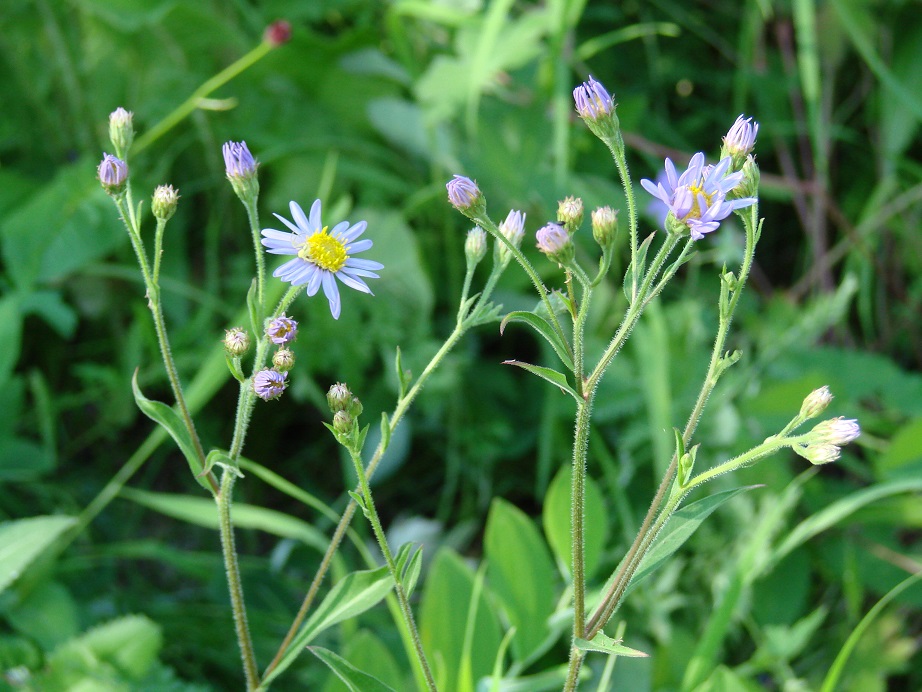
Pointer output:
x,y
253,309
606,645
641,266
541,325
355,679
556,378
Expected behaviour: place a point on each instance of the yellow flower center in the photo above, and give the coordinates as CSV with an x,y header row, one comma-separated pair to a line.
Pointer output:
x,y
696,189
324,250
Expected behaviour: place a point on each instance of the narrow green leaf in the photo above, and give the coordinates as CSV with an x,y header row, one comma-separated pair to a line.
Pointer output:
x,y
233,365
641,266
403,376
355,679
173,423
409,563
542,327
253,309
353,594
385,430
601,642
216,456
552,376
23,540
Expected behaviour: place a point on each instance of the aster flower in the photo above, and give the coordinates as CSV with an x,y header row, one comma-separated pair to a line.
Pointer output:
x,y
592,100
836,431
698,198
269,384
463,193
321,255
740,140
112,172
282,330
513,229
238,161
554,241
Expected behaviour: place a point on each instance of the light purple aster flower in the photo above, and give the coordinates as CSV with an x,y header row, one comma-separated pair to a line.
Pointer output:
x,y
837,431
282,330
238,161
322,255
463,193
112,172
698,197
592,100
269,384
741,139
513,227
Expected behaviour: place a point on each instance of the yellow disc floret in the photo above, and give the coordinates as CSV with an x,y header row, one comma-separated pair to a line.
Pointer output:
x,y
697,188
325,251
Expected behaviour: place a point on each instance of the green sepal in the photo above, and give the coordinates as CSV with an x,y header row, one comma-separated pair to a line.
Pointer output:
x,y
542,327
233,364
641,267
556,378
254,309
173,424
404,377
728,359
409,563
602,643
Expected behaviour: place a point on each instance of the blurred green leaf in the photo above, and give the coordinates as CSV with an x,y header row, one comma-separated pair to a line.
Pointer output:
x,y
355,679
557,521
23,540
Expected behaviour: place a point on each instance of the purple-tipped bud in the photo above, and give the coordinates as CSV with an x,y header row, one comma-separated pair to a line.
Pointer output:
x,y
277,33
815,403
741,139
238,161
570,213
339,398
592,100
164,202
236,341
282,330
513,229
604,225
463,193
343,422
113,173
269,384
554,241
475,246
283,359
836,431
121,130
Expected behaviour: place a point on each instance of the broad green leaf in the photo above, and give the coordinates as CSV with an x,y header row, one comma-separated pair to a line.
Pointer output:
x,y
131,643
355,679
552,376
23,540
368,653
679,528
541,325
45,612
602,643
204,512
557,523
521,573
353,595
445,613
10,335
171,420
903,456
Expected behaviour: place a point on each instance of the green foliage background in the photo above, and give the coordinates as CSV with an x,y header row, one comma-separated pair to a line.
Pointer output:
x,y
371,107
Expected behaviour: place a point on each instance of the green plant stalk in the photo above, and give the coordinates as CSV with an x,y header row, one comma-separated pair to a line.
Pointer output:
x,y
617,151
153,302
636,552
158,250
372,513
400,410
190,104
253,218
229,552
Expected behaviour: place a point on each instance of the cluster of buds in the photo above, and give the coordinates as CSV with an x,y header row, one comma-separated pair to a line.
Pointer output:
x,y
345,407
823,444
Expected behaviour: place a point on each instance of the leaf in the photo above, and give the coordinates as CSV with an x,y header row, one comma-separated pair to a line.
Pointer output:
x,y
217,456
521,573
557,521
10,335
21,541
171,421
132,643
641,267
552,376
355,679
353,595
602,643
409,563
203,512
679,528
542,327
254,309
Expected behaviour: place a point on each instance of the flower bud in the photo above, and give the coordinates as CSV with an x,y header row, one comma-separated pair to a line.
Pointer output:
x,y
570,213
277,33
283,359
597,109
749,185
164,203
339,398
554,241
815,403
819,453
113,173
513,229
269,384
604,226
343,422
121,130
836,431
465,196
355,407
740,141
236,341
475,246
240,167
282,330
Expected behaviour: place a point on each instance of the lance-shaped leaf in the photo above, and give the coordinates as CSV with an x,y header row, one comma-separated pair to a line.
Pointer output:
x,y
603,643
541,325
355,679
552,376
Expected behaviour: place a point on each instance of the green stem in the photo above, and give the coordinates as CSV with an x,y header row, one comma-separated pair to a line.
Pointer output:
x,y
617,151
253,217
372,513
224,499
158,250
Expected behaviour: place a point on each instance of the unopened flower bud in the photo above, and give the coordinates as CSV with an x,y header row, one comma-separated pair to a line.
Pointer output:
x,y
466,197
269,384
355,407
236,341
815,403
240,167
597,109
282,330
604,225
164,203
740,141
121,130
277,33
749,185
554,241
836,431
570,213
819,453
513,229
343,422
283,359
674,226
475,246
113,173
339,398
